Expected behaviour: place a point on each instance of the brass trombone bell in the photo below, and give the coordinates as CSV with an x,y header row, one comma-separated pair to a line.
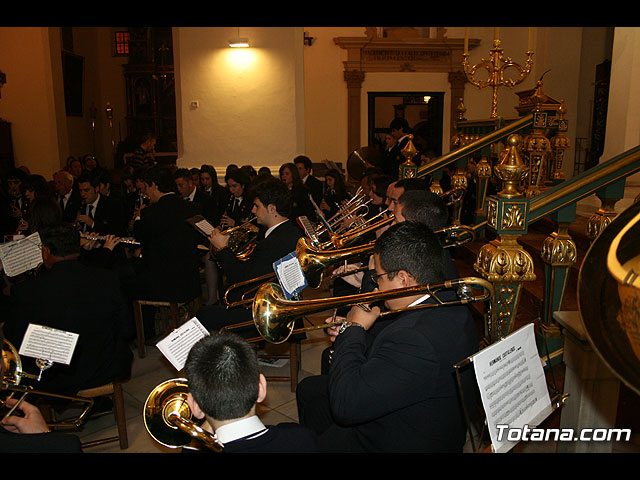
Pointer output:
x,y
167,417
274,316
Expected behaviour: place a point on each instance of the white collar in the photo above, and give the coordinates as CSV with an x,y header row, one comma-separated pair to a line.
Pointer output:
x,y
95,203
191,195
420,300
240,429
271,229
304,180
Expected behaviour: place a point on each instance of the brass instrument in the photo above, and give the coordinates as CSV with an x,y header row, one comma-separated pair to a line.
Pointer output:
x,y
10,383
314,261
167,417
356,208
242,239
101,238
274,316
361,228
609,296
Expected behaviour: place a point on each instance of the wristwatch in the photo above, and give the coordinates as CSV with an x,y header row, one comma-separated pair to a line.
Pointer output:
x,y
346,325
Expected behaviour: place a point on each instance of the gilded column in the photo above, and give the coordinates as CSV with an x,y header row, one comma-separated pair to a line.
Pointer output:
x,y
503,261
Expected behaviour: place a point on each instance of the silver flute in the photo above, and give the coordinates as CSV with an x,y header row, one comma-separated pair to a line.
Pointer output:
x,y
127,240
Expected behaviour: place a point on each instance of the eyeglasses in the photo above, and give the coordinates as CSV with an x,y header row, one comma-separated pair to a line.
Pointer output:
x,y
375,275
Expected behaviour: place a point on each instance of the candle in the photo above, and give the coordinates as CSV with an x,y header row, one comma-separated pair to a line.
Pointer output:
x,y
496,33
530,49
466,39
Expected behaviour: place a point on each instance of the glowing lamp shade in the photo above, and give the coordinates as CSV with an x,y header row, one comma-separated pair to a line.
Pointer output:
x,y
239,43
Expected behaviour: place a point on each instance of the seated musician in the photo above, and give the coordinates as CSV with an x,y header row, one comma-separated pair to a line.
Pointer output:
x,y
71,296
272,207
396,392
225,387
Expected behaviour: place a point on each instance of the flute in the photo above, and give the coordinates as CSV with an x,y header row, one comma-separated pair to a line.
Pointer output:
x,y
127,240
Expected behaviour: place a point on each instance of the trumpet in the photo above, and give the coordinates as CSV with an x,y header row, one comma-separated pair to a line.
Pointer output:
x,y
274,316
356,206
10,383
242,239
167,417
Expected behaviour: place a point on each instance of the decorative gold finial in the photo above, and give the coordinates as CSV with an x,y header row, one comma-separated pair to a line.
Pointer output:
x,y
510,169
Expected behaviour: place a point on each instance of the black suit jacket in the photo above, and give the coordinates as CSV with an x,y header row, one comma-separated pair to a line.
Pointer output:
x,y
242,212
168,268
280,242
399,394
85,300
393,158
315,188
72,208
210,208
108,217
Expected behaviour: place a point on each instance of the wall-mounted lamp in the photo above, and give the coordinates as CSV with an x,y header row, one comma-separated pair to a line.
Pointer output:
x,y
239,43
308,41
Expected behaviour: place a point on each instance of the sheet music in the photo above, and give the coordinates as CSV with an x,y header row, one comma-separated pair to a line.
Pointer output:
x,y
512,385
48,343
19,256
205,226
176,346
290,275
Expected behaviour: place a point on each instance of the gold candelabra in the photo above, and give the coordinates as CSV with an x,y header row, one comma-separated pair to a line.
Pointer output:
x,y
496,67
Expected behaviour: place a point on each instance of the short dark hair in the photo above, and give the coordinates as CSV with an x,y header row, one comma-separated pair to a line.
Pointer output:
x,y
162,177
425,207
412,184
414,248
380,183
183,173
399,123
223,375
90,178
272,191
61,239
306,161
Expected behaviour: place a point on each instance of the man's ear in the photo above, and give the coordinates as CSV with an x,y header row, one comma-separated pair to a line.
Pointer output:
x,y
406,278
271,208
262,388
196,411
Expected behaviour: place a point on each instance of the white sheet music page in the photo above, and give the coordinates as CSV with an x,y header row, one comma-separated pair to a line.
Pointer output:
x,y
19,256
48,343
512,386
290,275
176,346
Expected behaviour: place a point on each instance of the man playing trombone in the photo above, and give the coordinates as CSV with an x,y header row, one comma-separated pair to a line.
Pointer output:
x,y
391,387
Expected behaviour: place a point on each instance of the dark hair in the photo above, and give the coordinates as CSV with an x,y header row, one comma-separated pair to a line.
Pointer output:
x,y
414,248
400,124
44,212
425,207
89,177
306,161
294,172
339,185
412,184
183,173
162,177
272,191
222,371
61,239
37,184
211,171
380,183
238,176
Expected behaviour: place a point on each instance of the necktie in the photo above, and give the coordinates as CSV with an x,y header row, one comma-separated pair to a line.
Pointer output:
x,y
90,213
235,205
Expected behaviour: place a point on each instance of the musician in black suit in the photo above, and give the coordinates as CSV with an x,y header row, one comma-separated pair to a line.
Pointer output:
x,y
315,187
272,204
396,390
392,159
168,267
71,296
225,386
98,213
239,204
68,197
187,189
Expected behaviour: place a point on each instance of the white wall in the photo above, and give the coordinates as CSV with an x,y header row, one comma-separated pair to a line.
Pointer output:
x,y
250,101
